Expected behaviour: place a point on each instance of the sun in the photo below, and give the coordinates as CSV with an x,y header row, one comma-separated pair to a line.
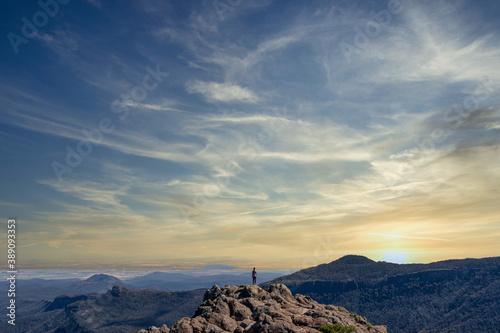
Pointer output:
x,y
395,257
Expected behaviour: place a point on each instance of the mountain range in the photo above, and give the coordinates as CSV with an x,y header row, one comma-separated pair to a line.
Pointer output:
x,y
179,281
119,310
33,295
36,297
445,296
459,296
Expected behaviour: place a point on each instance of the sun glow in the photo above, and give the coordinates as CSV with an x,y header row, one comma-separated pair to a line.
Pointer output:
x,y
395,257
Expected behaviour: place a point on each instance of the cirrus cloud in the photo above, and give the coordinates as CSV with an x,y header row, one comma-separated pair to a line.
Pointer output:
x,y
222,92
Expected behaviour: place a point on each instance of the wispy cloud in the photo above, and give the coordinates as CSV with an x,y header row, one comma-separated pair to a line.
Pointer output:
x,y
263,128
223,92
410,237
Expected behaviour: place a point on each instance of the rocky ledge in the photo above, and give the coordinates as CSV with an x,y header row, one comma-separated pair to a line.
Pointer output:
x,y
251,309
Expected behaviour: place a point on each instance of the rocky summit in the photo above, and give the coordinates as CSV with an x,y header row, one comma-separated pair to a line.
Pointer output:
x,y
249,308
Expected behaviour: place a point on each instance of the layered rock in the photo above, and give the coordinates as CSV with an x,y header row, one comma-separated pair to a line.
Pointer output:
x,y
252,309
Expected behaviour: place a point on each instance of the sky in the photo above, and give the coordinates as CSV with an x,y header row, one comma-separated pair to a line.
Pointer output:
x,y
278,134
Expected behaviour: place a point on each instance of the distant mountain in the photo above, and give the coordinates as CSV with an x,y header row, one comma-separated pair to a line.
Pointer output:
x,y
42,283
446,296
219,267
179,281
34,295
118,310
38,289
354,260
251,309
100,278
97,283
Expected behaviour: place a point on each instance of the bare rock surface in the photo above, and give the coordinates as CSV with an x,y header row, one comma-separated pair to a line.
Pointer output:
x,y
249,308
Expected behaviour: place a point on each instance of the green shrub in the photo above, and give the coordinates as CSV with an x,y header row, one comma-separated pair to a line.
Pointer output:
x,y
337,328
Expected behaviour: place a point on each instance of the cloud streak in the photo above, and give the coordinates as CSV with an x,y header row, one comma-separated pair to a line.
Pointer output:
x,y
262,132
222,92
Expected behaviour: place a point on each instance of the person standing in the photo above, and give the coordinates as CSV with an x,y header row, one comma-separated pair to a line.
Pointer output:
x,y
254,276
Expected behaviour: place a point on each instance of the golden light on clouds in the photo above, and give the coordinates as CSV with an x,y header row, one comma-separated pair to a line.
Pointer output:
x,y
265,149
413,227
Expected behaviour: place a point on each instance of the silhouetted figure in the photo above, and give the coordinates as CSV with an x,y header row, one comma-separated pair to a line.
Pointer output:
x,y
254,276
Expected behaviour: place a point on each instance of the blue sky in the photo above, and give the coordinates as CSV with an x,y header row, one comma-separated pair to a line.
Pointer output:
x,y
285,134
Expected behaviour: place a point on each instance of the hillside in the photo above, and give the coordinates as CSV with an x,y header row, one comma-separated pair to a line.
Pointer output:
x,y
250,308
446,296
117,311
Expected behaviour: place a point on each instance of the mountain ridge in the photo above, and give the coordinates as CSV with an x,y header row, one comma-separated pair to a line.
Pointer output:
x,y
251,309
445,296
119,310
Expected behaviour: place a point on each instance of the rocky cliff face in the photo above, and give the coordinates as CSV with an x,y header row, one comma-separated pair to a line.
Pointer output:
x,y
445,296
252,309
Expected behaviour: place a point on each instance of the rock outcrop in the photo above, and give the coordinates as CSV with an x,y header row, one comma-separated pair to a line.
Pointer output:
x,y
252,309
